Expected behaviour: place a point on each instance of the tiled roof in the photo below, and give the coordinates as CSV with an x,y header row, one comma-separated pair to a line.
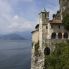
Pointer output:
x,y
34,31
55,21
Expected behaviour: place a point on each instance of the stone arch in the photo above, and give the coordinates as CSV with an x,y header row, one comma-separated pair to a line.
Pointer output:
x,y
65,35
60,35
47,51
53,36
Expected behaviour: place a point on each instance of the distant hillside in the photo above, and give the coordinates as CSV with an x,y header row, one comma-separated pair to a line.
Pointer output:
x,y
17,36
12,36
26,34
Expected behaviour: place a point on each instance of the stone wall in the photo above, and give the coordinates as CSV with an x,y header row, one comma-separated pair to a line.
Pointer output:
x,y
35,37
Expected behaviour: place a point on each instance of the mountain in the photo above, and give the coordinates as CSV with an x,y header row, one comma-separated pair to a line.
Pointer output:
x,y
25,34
12,36
17,36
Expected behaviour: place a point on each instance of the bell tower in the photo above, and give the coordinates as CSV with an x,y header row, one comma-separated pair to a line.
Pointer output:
x,y
43,26
43,34
38,50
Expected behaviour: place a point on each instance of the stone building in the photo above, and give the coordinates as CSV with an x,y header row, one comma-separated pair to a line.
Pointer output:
x,y
47,33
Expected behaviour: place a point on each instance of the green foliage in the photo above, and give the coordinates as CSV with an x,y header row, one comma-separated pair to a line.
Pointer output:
x,y
66,22
36,49
59,59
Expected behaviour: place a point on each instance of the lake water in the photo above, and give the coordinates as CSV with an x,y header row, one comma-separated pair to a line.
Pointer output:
x,y
15,54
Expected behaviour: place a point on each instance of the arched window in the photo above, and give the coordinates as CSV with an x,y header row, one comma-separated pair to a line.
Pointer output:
x,y
47,51
65,35
53,36
60,35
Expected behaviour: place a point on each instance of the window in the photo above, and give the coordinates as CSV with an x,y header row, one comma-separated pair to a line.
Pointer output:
x,y
45,15
51,26
65,35
46,27
60,35
53,36
59,26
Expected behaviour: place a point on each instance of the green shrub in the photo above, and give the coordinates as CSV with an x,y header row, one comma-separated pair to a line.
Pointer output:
x,y
66,22
59,59
36,49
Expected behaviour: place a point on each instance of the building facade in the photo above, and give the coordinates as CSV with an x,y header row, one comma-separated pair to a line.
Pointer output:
x,y
47,33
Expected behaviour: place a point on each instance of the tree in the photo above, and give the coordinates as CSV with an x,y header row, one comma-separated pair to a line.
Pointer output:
x,y
66,22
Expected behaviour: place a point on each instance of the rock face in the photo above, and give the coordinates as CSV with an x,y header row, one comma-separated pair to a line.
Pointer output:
x,y
64,6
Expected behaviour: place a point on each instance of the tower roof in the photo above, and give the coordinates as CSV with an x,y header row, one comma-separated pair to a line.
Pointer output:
x,y
43,10
55,21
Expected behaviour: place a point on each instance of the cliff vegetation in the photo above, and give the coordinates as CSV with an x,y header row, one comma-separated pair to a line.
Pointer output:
x,y
59,59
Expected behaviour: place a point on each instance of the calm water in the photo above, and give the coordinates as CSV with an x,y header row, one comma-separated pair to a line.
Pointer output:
x,y
15,54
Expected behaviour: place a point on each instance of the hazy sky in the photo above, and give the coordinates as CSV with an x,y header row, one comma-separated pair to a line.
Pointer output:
x,y
22,15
